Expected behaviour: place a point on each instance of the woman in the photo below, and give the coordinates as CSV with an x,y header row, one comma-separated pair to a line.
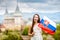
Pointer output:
x,y
34,31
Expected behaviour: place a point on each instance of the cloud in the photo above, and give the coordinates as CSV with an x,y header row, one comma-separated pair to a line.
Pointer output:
x,y
32,1
30,6
43,6
1,12
39,7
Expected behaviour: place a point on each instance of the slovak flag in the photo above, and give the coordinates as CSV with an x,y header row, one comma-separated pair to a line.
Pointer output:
x,y
47,25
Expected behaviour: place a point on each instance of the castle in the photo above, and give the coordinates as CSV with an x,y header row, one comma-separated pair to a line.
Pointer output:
x,y
13,20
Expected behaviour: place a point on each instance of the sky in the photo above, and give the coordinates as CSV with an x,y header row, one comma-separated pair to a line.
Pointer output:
x,y
43,7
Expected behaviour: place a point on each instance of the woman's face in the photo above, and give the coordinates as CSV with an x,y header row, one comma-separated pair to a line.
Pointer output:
x,y
35,18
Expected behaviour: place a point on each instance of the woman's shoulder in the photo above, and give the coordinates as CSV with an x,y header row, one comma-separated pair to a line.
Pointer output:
x,y
39,23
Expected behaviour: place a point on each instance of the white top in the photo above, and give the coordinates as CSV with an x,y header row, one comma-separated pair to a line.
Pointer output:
x,y
37,30
38,33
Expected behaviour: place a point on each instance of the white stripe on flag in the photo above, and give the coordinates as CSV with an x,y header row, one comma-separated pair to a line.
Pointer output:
x,y
50,21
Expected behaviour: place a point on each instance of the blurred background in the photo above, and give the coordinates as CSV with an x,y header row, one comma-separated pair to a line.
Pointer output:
x,y
16,15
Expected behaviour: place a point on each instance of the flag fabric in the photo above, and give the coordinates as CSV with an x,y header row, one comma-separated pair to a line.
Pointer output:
x,y
47,25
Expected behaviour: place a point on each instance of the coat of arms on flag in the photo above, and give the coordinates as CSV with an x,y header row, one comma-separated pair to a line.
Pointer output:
x,y
47,25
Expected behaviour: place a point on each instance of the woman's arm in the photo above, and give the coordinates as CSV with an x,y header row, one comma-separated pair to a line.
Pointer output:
x,y
30,34
29,31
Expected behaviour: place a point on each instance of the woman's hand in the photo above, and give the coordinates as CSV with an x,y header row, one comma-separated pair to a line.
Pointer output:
x,y
31,34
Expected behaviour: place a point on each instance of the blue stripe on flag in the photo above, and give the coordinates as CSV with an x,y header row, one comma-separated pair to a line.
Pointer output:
x,y
42,21
51,27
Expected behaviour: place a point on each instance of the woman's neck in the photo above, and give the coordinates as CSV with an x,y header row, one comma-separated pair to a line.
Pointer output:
x,y
36,23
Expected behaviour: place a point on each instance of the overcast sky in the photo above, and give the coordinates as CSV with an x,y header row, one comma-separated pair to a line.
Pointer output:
x,y
42,6
30,6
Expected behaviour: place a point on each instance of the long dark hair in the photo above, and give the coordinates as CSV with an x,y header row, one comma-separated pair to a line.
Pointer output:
x,y
34,22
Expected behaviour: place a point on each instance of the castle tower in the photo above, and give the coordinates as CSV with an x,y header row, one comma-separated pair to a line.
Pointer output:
x,y
18,17
8,20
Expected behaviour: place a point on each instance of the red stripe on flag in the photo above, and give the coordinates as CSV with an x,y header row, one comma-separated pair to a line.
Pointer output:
x,y
46,29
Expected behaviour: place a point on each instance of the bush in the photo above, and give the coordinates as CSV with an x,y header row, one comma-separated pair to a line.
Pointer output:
x,y
25,31
11,31
11,35
57,34
2,36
